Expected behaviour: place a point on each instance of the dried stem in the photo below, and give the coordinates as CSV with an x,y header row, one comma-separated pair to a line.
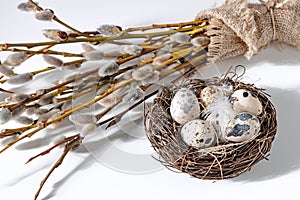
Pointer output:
x,y
182,54
110,90
114,120
68,139
44,51
55,18
68,147
160,26
103,39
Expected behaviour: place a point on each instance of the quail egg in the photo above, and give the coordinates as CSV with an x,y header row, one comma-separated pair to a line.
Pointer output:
x,y
199,134
184,106
242,127
212,93
209,94
244,101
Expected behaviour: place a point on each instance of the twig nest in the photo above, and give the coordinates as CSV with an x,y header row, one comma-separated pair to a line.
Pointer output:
x,y
235,142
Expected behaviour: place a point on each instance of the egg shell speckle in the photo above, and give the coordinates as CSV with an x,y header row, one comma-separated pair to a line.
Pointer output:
x,y
184,106
242,127
199,134
245,101
209,94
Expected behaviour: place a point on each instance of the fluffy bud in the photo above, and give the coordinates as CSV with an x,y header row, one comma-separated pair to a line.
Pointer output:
x,y
73,66
93,55
20,79
153,78
5,115
66,105
87,129
86,85
7,71
110,30
16,59
82,119
166,49
147,57
133,95
46,99
59,139
53,60
41,111
159,60
127,74
24,120
180,38
17,98
112,98
108,69
40,92
142,73
70,76
131,49
44,117
200,41
31,110
18,111
55,124
55,34
45,15
87,47
26,6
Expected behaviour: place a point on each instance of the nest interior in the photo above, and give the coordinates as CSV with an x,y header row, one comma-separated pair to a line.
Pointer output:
x,y
226,160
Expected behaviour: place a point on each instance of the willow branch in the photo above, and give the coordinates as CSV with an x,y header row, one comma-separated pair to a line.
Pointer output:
x,y
55,18
69,146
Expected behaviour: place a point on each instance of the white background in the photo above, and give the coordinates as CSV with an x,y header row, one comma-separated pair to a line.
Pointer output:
x,y
83,177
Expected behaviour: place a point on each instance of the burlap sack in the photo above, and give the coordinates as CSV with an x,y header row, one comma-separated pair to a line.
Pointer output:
x,y
238,27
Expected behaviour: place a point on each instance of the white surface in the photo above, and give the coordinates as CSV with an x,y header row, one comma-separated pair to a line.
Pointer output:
x,y
83,177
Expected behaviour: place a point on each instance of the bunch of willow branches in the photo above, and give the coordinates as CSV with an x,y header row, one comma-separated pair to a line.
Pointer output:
x,y
128,72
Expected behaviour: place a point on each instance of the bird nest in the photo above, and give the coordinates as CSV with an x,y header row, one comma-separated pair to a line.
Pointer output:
x,y
226,160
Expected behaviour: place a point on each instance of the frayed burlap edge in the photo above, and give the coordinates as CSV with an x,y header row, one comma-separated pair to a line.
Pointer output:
x,y
240,28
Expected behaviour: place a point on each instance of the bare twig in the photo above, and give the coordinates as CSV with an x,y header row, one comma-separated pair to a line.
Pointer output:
x,y
68,147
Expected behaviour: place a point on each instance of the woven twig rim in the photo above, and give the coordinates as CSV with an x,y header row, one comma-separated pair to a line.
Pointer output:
x,y
220,162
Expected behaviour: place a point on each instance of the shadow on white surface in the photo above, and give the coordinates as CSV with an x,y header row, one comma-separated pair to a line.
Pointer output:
x,y
88,161
284,157
100,145
49,136
273,55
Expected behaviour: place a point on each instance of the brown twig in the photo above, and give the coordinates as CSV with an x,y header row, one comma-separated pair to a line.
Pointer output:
x,y
68,147
101,39
68,139
160,26
44,51
55,18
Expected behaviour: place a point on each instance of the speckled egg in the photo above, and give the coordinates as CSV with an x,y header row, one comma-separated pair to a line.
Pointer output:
x,y
209,94
244,101
212,93
184,106
199,134
242,127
